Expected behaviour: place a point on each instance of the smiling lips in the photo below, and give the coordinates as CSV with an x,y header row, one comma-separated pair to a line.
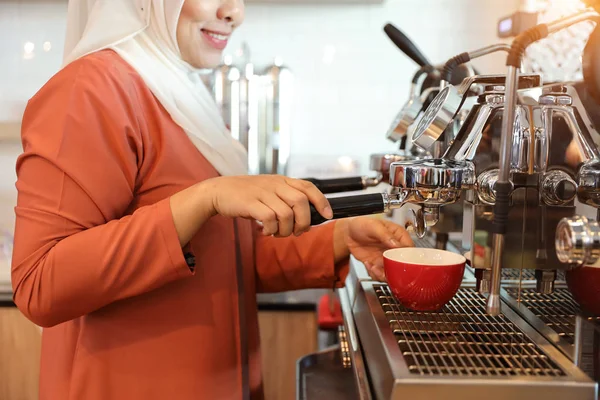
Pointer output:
x,y
216,39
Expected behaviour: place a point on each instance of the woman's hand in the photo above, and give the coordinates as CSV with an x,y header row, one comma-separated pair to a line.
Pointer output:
x,y
281,204
366,238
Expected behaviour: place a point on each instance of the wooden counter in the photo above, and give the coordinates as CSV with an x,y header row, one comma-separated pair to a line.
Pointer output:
x,y
285,336
288,331
20,345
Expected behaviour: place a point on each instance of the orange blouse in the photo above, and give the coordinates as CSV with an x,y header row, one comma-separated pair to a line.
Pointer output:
x,y
97,261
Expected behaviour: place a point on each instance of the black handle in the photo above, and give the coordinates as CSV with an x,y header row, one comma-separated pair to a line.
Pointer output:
x,y
338,185
350,206
452,64
403,142
405,45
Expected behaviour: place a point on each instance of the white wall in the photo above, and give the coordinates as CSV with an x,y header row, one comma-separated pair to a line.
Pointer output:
x,y
22,75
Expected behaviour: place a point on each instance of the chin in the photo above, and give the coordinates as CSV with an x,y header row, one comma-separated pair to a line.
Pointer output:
x,y
206,61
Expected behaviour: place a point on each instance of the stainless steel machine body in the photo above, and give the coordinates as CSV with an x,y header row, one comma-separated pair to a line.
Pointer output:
x,y
548,145
539,146
459,352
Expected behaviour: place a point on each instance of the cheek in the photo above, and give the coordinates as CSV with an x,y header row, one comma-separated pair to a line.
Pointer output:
x,y
186,36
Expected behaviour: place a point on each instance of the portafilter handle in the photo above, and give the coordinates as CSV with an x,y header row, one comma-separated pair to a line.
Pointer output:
x,y
367,204
352,206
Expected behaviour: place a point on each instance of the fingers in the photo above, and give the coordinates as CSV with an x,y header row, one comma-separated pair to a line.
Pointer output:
x,y
284,213
399,234
376,272
315,197
289,201
266,216
298,202
380,232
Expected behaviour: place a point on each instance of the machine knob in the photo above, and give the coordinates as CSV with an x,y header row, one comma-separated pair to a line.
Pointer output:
x,y
588,183
485,186
558,188
578,241
545,281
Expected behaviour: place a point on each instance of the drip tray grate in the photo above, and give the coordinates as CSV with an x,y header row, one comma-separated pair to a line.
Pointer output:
x,y
425,242
557,310
515,274
461,339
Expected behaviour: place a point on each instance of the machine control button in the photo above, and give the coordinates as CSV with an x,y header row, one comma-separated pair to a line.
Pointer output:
x,y
558,188
578,241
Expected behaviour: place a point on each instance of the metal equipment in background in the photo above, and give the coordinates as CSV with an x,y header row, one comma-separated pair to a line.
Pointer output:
x,y
256,106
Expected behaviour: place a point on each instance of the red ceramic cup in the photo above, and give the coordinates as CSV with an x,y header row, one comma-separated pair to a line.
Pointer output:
x,y
584,284
423,279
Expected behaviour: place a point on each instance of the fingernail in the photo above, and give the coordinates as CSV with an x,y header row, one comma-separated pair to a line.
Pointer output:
x,y
328,213
394,243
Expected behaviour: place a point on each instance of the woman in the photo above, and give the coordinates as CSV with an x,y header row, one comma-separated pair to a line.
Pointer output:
x,y
135,244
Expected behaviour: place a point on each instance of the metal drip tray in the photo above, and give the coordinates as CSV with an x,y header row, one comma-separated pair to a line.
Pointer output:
x,y
462,340
459,352
557,310
558,317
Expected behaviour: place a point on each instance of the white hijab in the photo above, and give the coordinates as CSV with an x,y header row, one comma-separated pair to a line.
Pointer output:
x,y
143,33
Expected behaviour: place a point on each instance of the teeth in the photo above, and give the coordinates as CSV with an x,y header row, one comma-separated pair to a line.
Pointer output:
x,y
217,36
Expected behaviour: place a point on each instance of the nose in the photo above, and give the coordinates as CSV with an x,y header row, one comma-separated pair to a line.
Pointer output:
x,y
232,11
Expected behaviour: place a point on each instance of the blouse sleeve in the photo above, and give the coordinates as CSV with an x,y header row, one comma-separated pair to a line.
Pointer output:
x,y
77,245
303,262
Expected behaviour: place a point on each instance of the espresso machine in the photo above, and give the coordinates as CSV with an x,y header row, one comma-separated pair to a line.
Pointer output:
x,y
425,85
521,157
524,164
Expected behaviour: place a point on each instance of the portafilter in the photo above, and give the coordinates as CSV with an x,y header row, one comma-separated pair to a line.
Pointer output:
x,y
430,183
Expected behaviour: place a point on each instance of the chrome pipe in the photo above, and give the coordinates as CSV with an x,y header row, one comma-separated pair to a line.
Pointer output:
x,y
489,50
571,20
578,340
508,121
493,303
